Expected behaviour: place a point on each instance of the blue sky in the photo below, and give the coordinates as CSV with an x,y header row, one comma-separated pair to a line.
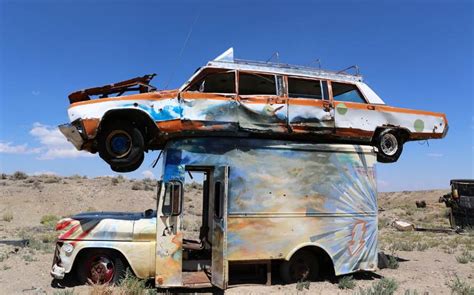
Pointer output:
x,y
414,54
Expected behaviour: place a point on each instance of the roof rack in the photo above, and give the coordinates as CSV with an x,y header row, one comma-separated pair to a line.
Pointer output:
x,y
227,60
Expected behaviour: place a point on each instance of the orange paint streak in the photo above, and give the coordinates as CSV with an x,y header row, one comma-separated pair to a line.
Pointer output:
x,y
384,108
200,95
166,94
90,127
307,102
170,126
349,132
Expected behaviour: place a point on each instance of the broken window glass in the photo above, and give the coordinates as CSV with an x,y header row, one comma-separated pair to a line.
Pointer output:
x,y
256,84
304,88
346,92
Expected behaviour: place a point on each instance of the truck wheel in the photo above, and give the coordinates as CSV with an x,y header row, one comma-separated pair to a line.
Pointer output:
x,y
390,146
100,267
121,144
303,266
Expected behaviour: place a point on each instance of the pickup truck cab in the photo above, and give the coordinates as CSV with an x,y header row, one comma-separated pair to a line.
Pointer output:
x,y
238,98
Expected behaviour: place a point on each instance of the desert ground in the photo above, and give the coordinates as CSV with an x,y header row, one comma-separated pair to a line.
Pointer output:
x,y
422,263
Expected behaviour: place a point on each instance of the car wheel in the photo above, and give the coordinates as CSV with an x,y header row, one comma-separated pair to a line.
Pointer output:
x,y
389,145
100,267
121,144
132,167
303,266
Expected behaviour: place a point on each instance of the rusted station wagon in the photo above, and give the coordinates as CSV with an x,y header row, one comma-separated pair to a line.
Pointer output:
x,y
230,97
305,210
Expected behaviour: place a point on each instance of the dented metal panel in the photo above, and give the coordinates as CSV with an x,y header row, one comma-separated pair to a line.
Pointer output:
x,y
131,234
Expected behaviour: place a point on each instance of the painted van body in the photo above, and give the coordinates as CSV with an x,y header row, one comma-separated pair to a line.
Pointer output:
x,y
268,200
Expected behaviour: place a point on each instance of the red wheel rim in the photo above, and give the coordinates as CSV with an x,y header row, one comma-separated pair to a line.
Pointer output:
x,y
100,269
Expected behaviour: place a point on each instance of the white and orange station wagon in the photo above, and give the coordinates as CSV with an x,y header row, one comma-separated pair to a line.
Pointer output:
x,y
237,98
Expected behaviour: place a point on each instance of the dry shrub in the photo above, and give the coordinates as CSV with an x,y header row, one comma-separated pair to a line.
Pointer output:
x,y
7,216
49,220
18,175
101,290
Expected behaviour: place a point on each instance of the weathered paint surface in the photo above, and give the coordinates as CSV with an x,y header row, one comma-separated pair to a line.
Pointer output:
x,y
281,196
285,196
178,111
135,239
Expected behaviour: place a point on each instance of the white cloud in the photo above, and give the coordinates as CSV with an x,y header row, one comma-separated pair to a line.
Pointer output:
x,y
9,148
48,135
52,145
45,172
148,174
434,155
35,92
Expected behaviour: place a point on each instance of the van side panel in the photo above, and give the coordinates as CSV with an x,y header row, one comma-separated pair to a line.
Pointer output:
x,y
284,196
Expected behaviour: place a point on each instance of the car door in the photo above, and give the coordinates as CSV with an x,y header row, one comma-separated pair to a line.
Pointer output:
x,y
262,104
309,107
355,119
209,102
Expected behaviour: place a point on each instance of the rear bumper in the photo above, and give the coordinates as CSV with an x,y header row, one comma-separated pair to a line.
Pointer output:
x,y
73,135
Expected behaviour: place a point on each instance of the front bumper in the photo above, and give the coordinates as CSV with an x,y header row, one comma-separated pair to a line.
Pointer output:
x,y
73,135
58,272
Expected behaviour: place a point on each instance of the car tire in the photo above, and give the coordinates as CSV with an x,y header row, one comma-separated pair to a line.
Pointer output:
x,y
132,167
100,267
389,145
121,145
302,266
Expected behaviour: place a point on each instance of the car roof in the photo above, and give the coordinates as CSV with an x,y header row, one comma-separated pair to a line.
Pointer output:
x,y
227,61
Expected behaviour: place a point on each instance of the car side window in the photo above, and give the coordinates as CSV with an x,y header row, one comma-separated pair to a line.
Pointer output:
x,y
304,88
257,84
346,92
215,83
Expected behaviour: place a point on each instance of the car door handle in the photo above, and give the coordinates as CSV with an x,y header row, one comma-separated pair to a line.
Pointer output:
x,y
371,107
327,106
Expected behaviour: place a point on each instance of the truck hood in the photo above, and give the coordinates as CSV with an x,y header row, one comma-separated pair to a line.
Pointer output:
x,y
103,226
108,215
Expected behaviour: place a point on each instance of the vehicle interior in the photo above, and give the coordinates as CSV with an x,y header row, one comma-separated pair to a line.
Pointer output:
x,y
196,224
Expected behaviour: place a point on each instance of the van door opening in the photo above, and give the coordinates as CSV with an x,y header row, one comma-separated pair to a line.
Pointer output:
x,y
195,224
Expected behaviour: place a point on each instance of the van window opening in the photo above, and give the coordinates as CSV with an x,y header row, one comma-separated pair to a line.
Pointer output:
x,y
194,211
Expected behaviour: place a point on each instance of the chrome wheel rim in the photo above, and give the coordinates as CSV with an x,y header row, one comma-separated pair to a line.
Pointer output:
x,y
389,144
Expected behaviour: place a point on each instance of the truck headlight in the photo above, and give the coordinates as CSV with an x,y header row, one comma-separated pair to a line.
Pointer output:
x,y
67,248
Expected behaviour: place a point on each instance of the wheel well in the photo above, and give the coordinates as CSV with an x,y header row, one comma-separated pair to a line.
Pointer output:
x,y
85,251
403,133
138,118
325,262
